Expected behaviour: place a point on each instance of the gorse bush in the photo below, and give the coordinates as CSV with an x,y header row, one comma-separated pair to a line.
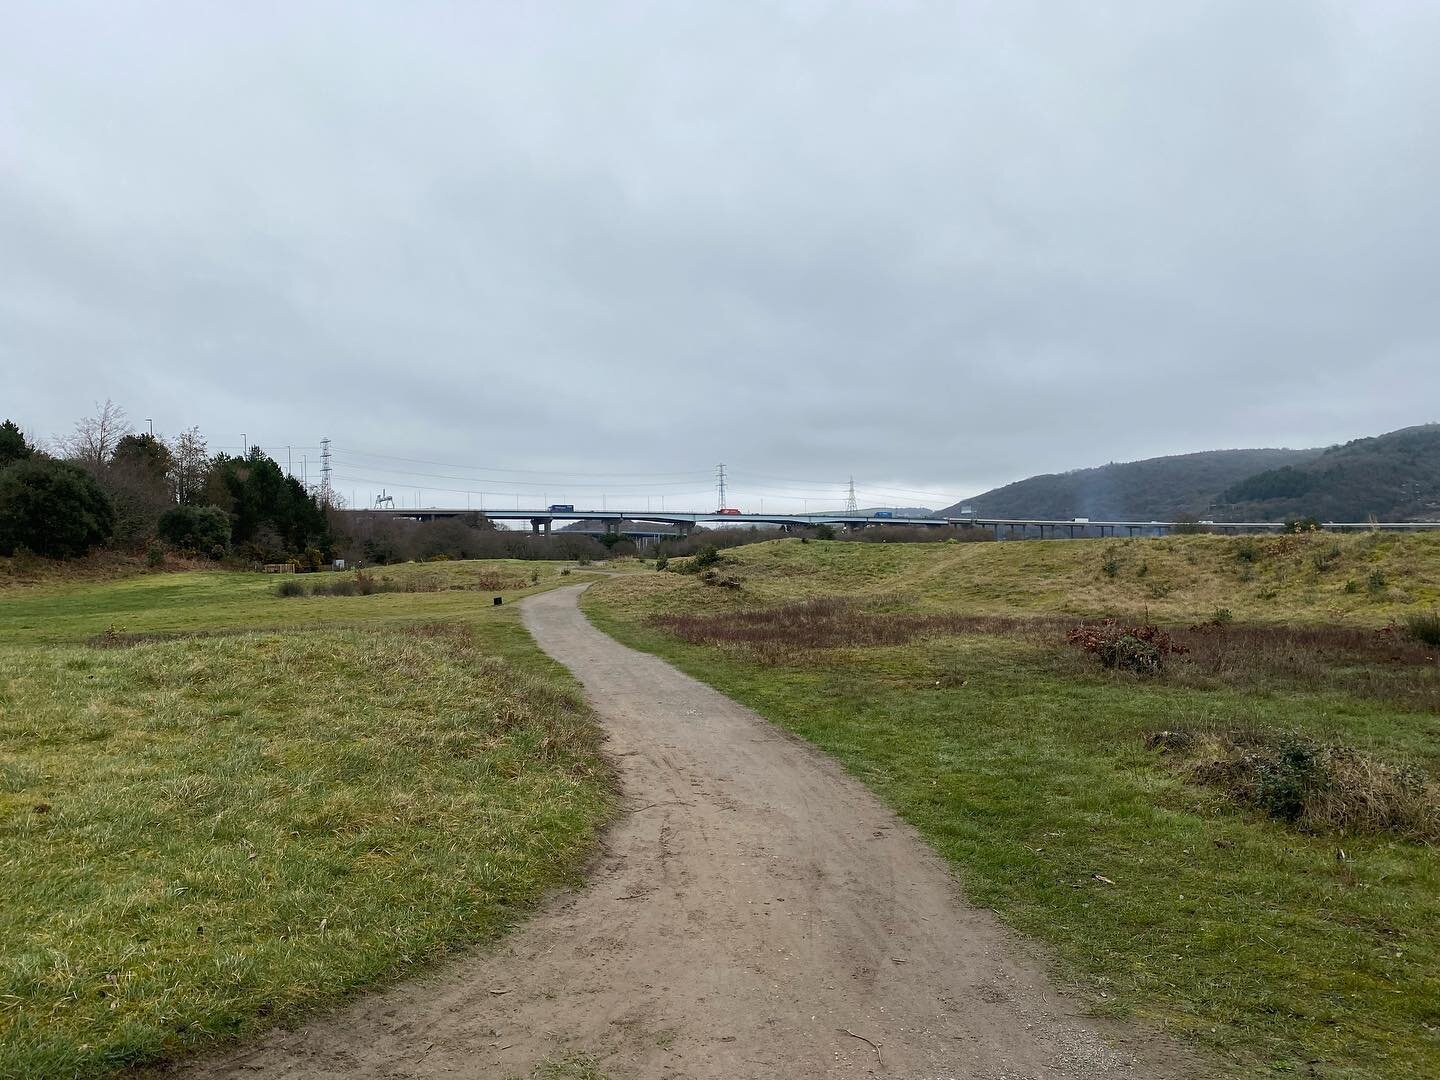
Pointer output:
x,y
1282,783
290,587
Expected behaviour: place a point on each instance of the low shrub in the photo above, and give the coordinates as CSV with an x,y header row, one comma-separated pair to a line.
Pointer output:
x,y
290,587
1323,560
343,587
707,558
1140,649
363,584
1216,624
1310,785
1424,628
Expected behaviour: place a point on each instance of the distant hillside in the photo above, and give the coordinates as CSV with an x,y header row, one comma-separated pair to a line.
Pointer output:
x,y
1155,489
1395,477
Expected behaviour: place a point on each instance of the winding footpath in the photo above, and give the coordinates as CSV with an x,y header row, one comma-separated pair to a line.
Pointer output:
x,y
755,913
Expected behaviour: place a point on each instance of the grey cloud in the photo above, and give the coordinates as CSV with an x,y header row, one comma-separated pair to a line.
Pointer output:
x,y
939,246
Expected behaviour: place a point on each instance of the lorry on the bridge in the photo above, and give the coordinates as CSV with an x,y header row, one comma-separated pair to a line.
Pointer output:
x,y
727,510
883,513
562,508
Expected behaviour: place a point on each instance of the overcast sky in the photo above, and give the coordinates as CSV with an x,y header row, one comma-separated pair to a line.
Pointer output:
x,y
938,246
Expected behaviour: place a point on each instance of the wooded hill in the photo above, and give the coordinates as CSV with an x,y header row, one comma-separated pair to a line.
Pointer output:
x,y
1156,489
1393,477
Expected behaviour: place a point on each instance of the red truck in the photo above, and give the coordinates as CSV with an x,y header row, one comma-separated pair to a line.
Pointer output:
x,y
727,510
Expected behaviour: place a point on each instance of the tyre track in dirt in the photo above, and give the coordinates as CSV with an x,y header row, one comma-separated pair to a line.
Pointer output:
x,y
754,913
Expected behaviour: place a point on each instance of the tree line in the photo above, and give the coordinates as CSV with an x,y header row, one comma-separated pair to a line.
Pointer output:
x,y
105,485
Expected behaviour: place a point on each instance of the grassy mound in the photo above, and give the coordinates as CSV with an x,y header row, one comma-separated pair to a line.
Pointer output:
x,y
206,829
1367,579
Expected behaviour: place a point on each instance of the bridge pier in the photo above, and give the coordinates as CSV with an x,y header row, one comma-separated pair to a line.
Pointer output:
x,y
537,525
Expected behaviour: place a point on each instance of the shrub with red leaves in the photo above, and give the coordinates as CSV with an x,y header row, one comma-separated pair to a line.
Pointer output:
x,y
1138,649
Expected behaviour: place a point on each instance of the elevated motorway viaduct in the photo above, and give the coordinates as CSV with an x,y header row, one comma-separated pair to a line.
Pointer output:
x,y
540,520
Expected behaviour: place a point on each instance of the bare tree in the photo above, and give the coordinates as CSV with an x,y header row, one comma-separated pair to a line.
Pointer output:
x,y
191,466
96,436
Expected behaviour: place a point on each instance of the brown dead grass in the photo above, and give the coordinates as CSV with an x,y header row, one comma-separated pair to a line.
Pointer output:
x,y
792,631
1382,664
24,571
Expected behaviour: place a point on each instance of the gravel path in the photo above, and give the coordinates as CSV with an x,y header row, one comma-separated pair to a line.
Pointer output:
x,y
755,913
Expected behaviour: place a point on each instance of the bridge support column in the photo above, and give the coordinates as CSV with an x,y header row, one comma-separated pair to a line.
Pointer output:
x,y
539,525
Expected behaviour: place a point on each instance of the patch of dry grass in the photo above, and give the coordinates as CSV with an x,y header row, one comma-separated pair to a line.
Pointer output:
x,y
1312,785
1382,664
775,634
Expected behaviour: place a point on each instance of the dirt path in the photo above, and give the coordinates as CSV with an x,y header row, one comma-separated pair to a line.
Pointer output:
x,y
751,906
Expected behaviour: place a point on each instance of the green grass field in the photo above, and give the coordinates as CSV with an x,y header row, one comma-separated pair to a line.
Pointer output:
x,y
234,807
1279,951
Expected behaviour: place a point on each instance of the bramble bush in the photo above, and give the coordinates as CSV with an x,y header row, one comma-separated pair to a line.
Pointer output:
x,y
1140,650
